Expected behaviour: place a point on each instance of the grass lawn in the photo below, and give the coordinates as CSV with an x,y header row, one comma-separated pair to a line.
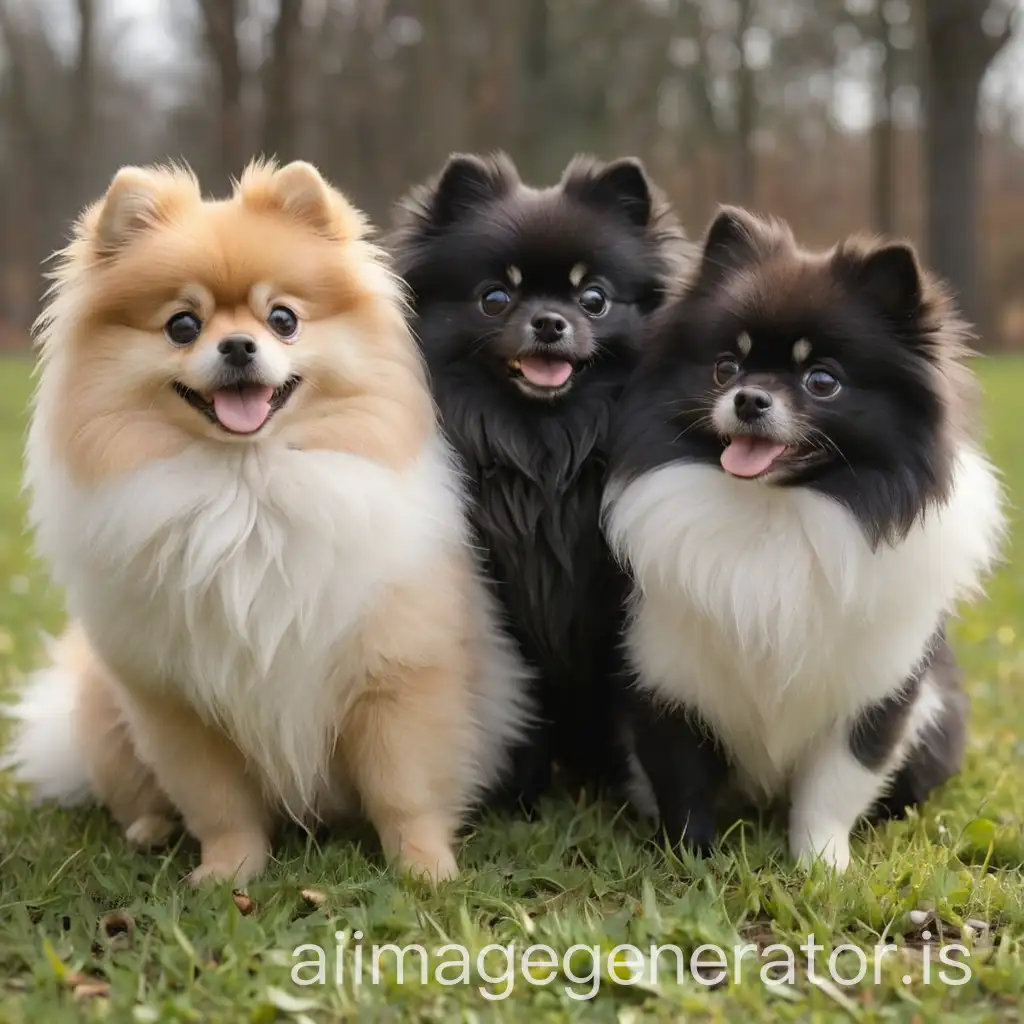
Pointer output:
x,y
577,875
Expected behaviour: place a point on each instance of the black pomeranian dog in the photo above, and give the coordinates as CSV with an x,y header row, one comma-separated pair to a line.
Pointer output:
x,y
527,304
797,488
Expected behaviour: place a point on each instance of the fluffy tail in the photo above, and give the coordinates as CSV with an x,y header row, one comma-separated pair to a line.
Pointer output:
x,y
45,752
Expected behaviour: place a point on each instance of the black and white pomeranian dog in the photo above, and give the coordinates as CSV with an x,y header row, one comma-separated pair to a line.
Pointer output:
x,y
798,490
527,304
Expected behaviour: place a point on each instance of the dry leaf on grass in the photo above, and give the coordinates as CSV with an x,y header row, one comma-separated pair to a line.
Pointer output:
x,y
245,903
314,897
86,986
91,990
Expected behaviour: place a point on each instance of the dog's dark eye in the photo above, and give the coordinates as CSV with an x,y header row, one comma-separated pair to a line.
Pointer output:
x,y
725,369
593,301
821,383
495,301
183,329
283,322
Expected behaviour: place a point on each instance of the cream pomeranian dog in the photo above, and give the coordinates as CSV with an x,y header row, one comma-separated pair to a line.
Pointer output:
x,y
237,476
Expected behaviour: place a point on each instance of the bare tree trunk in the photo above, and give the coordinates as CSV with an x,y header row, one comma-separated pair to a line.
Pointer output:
x,y
220,19
882,183
536,69
746,112
959,52
279,84
430,117
493,78
34,162
83,95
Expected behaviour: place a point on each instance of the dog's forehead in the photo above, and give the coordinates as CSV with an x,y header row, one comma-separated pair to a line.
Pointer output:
x,y
785,284
549,240
785,310
529,268
783,350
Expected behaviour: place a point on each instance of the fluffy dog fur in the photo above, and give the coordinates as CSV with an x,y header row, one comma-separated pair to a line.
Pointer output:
x,y
260,532
527,304
797,486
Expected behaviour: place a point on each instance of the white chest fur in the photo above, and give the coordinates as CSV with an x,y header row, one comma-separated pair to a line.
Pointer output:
x,y
242,577
767,610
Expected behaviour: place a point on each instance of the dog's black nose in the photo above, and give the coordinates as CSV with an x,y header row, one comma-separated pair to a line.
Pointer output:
x,y
549,328
237,349
751,403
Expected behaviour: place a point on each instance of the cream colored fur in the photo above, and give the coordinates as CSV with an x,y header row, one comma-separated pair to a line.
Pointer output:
x,y
285,625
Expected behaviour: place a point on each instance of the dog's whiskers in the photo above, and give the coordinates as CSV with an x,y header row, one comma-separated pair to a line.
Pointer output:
x,y
815,437
483,341
701,421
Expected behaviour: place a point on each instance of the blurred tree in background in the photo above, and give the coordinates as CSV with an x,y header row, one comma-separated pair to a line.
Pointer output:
x,y
959,42
904,116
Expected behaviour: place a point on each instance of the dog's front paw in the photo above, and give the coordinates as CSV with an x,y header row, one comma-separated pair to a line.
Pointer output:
x,y
435,863
700,834
149,830
236,858
831,848
696,832
420,846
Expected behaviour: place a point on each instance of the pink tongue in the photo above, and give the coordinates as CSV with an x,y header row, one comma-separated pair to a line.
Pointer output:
x,y
544,372
750,456
243,410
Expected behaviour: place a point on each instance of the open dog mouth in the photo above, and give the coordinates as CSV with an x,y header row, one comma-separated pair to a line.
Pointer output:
x,y
750,455
240,408
545,376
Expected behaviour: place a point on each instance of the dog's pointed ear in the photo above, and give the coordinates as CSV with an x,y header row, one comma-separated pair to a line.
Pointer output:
x,y
887,276
303,194
731,242
621,185
465,182
299,191
130,207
